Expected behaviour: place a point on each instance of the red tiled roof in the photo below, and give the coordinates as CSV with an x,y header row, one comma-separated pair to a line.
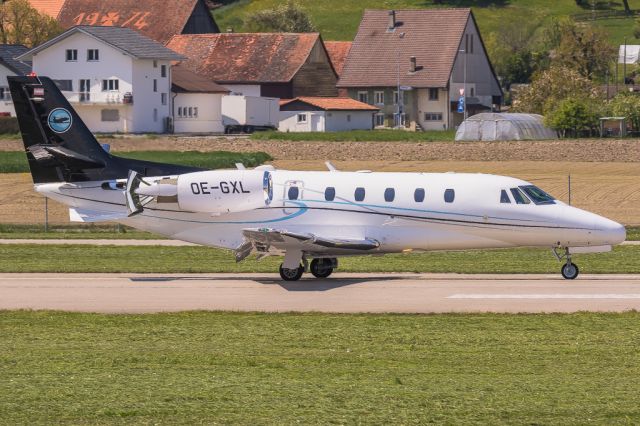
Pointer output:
x,y
431,35
48,7
332,104
155,19
245,58
183,81
338,51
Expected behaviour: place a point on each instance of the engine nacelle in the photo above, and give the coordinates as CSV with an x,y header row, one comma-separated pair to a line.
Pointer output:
x,y
224,191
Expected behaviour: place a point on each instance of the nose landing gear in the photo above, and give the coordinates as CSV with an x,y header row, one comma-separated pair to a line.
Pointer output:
x,y
569,270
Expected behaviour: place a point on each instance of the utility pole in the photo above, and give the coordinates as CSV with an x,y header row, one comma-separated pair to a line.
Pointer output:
x,y
624,64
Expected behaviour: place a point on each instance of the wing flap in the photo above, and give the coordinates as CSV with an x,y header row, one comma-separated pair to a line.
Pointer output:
x,y
91,216
264,240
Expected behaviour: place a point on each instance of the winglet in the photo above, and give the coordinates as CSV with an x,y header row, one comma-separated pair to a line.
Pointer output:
x,y
134,206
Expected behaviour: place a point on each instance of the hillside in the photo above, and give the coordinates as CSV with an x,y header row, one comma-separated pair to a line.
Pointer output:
x,y
339,19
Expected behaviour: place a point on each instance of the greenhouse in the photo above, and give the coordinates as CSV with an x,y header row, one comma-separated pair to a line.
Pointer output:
x,y
504,127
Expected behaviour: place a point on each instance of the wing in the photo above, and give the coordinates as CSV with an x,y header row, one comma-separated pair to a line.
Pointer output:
x,y
265,240
90,216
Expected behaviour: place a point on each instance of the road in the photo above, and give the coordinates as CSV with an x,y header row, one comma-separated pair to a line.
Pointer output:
x,y
407,293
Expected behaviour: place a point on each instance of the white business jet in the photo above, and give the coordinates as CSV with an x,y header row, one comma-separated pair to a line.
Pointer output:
x,y
312,218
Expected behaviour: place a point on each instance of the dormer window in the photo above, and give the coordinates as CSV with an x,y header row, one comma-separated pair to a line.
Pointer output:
x,y
93,55
71,55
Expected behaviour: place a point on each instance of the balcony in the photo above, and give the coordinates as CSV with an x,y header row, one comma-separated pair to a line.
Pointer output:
x,y
99,98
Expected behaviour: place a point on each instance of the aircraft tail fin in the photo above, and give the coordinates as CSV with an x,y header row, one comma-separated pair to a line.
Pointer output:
x,y
57,142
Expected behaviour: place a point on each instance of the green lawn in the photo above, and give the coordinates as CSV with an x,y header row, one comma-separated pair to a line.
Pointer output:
x,y
74,231
244,368
339,19
16,161
88,258
359,135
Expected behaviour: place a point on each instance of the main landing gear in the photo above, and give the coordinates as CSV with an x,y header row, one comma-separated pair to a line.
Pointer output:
x,y
569,270
319,268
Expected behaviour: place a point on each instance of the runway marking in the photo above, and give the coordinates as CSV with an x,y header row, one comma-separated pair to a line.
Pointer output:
x,y
544,296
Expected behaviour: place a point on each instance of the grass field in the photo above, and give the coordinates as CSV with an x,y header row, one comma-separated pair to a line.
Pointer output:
x,y
16,161
339,20
359,135
156,259
243,368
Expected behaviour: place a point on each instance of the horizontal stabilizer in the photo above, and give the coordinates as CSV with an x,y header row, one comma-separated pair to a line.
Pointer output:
x,y
90,216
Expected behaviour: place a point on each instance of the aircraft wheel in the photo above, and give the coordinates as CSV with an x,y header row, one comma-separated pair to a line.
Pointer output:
x,y
291,274
321,268
570,271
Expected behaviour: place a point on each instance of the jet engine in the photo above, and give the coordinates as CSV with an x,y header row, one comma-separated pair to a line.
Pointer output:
x,y
214,191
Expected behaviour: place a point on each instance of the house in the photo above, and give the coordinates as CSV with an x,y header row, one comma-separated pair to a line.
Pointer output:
x,y
338,52
10,66
313,114
156,20
117,79
197,102
414,65
277,65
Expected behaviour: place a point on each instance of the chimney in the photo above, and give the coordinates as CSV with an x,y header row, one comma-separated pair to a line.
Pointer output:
x,y
392,20
412,67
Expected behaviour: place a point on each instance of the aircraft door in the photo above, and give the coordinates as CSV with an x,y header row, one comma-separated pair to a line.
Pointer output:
x,y
293,191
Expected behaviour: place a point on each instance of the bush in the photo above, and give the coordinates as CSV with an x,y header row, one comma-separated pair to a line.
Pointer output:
x,y
572,116
627,105
9,125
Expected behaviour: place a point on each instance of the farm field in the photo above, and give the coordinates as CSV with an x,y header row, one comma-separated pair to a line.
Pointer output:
x,y
244,368
610,189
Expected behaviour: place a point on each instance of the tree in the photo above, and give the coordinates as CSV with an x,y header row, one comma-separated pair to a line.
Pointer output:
x,y
22,24
627,105
585,48
572,116
549,87
287,18
511,50
627,9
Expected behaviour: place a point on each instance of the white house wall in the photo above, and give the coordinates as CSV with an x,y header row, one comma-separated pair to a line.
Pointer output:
x,y
6,104
289,121
243,89
209,118
440,106
149,113
337,121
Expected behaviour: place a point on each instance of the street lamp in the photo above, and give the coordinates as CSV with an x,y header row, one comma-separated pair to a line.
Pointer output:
x,y
464,84
398,103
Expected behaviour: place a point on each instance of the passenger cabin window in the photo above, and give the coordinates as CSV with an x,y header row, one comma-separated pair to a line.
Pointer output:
x,y
359,194
504,197
330,193
389,194
519,196
418,195
293,193
537,195
449,195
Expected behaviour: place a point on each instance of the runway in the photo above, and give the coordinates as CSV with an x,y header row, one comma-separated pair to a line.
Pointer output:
x,y
348,293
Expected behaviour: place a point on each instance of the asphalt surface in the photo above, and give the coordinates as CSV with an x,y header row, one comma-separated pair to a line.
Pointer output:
x,y
407,293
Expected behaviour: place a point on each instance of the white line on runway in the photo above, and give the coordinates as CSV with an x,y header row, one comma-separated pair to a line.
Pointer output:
x,y
544,296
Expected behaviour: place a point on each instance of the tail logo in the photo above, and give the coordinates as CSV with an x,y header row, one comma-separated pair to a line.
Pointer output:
x,y
59,120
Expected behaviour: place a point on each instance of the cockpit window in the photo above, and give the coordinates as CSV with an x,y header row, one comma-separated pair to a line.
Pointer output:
x,y
504,197
519,196
537,195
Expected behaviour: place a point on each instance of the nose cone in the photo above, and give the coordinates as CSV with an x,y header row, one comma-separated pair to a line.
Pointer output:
x,y
610,232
